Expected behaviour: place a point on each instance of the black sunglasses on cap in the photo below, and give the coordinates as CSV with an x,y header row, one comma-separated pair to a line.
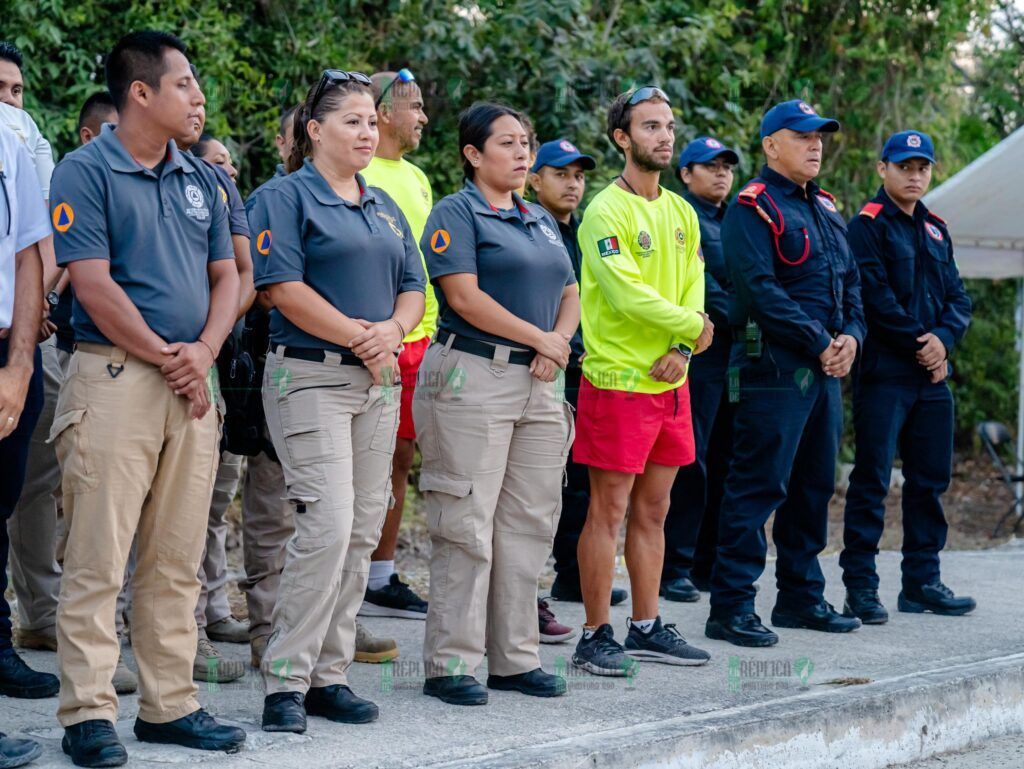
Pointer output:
x,y
333,77
647,92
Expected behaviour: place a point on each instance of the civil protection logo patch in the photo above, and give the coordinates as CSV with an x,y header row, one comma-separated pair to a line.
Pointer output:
x,y
63,217
263,241
440,241
934,231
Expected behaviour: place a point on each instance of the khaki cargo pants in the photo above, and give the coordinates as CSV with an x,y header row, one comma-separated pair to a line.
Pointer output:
x,y
132,460
334,431
494,441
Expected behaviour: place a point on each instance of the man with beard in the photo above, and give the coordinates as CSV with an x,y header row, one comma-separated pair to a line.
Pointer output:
x,y
797,325
643,300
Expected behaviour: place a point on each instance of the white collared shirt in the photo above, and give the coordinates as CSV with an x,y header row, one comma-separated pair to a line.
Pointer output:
x,y
19,121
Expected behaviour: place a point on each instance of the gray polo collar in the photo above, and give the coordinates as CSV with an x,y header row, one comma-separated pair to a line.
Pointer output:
x,y
321,190
481,206
120,160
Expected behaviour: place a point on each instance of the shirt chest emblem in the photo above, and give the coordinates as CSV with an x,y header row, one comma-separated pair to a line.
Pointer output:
x,y
643,239
933,231
828,204
196,203
550,234
392,223
681,238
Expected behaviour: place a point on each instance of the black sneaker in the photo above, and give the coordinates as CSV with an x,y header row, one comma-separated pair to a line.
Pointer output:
x,y
15,752
93,743
564,590
864,604
936,598
396,599
19,680
663,643
284,712
197,730
338,703
602,655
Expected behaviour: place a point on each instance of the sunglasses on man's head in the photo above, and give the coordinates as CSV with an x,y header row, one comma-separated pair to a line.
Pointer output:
x,y
647,92
403,76
334,77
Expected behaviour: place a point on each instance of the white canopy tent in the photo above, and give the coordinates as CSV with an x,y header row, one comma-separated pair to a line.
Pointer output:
x,y
984,206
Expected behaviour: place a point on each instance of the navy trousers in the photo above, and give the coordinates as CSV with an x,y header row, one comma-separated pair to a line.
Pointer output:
x,y
786,433
691,528
13,459
575,500
917,420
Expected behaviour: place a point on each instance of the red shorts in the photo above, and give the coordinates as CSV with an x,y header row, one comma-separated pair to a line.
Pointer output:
x,y
409,361
623,431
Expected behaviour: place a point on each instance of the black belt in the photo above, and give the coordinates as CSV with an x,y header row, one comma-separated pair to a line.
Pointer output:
x,y
485,349
316,355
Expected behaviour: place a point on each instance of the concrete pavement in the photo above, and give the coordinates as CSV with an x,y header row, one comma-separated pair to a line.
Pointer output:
x,y
918,686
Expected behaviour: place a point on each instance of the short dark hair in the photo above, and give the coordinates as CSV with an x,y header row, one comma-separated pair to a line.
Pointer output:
x,y
286,119
200,147
138,56
620,113
10,52
476,125
100,103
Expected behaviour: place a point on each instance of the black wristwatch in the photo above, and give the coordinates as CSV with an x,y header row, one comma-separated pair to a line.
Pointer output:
x,y
52,299
683,350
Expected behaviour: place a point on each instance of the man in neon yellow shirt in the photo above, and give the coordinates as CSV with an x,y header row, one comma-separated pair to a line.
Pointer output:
x,y
642,295
400,122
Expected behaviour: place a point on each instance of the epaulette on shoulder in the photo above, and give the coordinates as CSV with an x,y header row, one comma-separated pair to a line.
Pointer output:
x,y
827,194
871,210
936,217
749,193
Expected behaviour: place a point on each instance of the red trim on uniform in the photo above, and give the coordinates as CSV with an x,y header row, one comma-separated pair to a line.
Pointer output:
x,y
937,218
827,194
752,190
871,210
748,197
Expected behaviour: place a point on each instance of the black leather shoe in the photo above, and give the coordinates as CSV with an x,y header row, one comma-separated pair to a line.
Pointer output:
x,y
338,703
936,598
284,712
456,690
15,752
822,616
93,743
863,604
196,730
19,680
701,582
740,630
564,590
536,683
681,589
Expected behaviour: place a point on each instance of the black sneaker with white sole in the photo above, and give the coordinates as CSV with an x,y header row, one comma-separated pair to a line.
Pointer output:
x,y
602,655
395,599
662,643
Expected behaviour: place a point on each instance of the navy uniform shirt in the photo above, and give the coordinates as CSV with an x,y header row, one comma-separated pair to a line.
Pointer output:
x,y
359,256
517,255
800,284
910,284
570,238
237,221
158,228
717,284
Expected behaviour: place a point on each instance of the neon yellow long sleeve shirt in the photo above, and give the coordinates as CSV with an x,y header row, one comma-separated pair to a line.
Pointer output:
x,y
641,288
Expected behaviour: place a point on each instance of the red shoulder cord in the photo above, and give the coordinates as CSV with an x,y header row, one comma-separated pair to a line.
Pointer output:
x,y
750,199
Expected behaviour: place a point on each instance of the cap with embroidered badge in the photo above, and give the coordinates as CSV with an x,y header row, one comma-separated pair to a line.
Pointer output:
x,y
796,115
908,144
560,153
704,149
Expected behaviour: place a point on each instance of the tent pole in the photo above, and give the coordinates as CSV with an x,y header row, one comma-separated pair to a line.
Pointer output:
x,y
1020,388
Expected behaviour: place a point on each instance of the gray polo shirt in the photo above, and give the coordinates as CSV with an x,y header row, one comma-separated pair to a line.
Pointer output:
x,y
517,255
158,229
357,256
237,221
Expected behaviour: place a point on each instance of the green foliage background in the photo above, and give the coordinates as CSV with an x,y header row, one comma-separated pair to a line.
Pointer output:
x,y
949,67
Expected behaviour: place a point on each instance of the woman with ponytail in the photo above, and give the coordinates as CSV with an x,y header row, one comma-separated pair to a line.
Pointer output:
x,y
345,277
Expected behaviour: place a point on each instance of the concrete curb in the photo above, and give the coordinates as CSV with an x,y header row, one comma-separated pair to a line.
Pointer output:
x,y
869,726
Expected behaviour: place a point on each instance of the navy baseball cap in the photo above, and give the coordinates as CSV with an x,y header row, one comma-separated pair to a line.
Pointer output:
x,y
704,149
560,153
908,144
796,115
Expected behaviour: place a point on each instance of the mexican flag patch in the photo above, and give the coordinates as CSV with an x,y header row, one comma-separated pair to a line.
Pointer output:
x,y
608,246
